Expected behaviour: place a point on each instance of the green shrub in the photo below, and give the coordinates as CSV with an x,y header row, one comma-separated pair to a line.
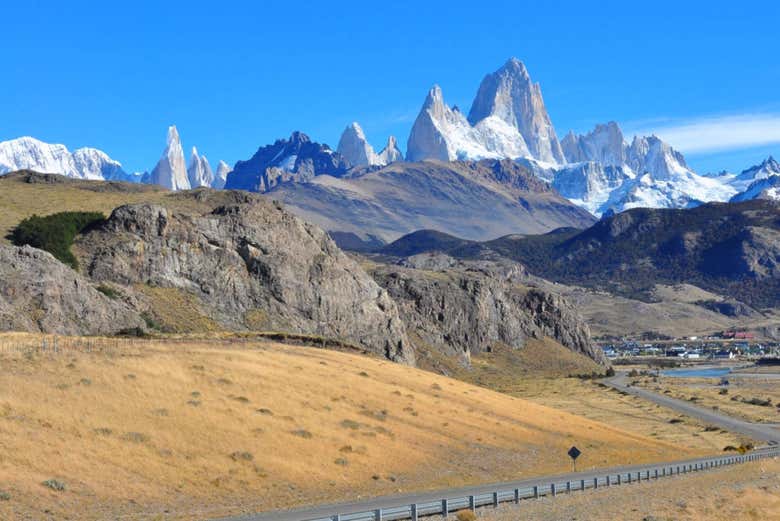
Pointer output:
x,y
109,291
55,233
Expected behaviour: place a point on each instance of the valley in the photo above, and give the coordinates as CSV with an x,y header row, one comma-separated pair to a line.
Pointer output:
x,y
354,261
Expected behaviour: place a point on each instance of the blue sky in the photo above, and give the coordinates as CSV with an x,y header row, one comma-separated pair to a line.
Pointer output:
x,y
236,75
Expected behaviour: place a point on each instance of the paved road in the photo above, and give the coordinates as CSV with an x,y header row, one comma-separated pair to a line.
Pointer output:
x,y
387,502
757,431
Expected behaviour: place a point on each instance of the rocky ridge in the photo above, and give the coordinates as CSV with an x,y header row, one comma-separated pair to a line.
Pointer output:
x,y
466,308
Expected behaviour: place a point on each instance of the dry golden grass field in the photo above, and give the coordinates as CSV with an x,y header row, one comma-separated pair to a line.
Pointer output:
x,y
163,430
539,374
742,493
755,398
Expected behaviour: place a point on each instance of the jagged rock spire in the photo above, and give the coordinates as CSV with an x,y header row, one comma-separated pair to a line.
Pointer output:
x,y
171,171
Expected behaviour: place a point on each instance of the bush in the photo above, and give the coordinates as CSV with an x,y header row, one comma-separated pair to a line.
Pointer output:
x,y
109,291
610,372
54,484
466,515
5,496
55,233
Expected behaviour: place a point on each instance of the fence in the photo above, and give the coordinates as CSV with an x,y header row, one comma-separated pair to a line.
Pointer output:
x,y
445,506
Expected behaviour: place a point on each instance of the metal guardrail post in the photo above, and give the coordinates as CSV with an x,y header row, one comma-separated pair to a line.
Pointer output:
x,y
495,499
445,508
378,514
656,473
517,495
608,479
552,489
582,484
629,477
568,487
413,511
595,483
472,503
536,492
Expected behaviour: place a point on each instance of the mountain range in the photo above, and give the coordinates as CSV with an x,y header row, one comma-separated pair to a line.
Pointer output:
x,y
728,249
601,171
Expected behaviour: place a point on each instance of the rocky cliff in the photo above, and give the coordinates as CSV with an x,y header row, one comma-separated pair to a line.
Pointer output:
x,y
39,293
250,264
465,308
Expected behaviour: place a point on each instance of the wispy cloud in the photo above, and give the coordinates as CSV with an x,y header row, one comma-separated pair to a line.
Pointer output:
x,y
717,133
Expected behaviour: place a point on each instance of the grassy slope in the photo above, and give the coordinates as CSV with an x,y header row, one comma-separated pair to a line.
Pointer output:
x,y
205,430
742,492
19,199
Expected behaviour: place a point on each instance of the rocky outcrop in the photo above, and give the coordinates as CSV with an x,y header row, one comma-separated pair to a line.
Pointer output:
x,y
40,294
251,265
171,170
463,308
297,159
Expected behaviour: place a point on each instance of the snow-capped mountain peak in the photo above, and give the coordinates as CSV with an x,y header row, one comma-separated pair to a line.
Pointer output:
x,y
391,153
509,95
354,146
84,163
199,172
223,169
440,132
171,171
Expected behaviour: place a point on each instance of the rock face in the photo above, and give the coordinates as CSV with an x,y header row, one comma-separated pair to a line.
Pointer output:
x,y
27,153
223,169
750,180
297,159
604,144
607,174
171,171
444,133
391,153
767,188
470,199
199,172
251,265
463,308
354,147
509,95
40,294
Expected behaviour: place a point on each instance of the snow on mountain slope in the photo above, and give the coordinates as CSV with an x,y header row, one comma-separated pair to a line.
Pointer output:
x,y
83,163
391,153
355,148
590,184
510,96
444,133
768,168
171,171
199,172
647,172
223,169
766,188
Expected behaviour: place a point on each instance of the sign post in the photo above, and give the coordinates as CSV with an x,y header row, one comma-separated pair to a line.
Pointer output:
x,y
574,453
